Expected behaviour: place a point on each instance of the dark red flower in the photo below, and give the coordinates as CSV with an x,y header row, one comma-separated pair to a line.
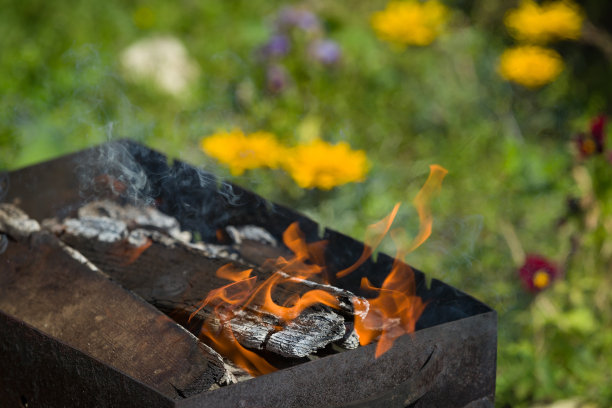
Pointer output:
x,y
594,142
597,128
538,273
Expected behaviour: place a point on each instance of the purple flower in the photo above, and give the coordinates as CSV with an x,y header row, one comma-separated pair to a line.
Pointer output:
x,y
290,17
538,273
326,52
277,78
277,46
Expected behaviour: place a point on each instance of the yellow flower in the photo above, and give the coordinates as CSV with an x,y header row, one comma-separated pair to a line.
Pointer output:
x,y
530,66
531,22
322,165
410,22
240,152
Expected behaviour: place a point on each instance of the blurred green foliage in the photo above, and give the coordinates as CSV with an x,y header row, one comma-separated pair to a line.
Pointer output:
x,y
509,151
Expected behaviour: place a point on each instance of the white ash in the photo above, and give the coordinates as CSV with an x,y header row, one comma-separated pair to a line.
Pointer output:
x,y
79,257
138,237
238,373
350,341
217,251
16,223
250,232
228,375
145,217
252,329
104,229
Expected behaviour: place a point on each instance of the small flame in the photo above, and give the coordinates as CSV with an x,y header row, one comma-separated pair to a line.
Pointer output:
x,y
393,312
375,233
227,345
314,253
230,272
422,203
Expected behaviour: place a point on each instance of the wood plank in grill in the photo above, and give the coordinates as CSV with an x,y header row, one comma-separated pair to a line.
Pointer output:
x,y
176,276
55,289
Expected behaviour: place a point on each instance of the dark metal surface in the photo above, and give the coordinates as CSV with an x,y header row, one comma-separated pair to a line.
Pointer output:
x,y
448,362
37,370
448,366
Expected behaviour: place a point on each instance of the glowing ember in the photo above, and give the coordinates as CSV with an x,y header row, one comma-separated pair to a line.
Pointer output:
x,y
129,252
391,311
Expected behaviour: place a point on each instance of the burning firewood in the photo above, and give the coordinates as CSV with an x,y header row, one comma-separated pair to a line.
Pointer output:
x,y
146,252
50,285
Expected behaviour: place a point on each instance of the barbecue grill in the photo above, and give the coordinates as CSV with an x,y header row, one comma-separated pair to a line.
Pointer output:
x,y
73,335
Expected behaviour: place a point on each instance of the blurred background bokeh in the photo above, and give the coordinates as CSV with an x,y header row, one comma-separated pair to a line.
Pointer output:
x,y
337,109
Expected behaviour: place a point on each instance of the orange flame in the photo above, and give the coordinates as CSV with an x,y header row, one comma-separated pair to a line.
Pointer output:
x,y
287,313
422,203
374,236
392,312
314,252
396,308
136,252
228,346
127,252
230,272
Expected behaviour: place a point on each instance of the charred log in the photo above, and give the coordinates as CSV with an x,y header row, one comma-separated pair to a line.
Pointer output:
x,y
176,275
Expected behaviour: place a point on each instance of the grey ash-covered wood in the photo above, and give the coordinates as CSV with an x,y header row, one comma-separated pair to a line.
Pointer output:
x,y
176,275
56,289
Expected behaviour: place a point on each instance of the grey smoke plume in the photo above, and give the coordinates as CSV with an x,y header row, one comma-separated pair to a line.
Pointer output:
x,y
137,175
113,167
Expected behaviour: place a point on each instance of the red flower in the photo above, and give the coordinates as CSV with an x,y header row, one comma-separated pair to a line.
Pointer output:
x,y
537,273
597,128
594,142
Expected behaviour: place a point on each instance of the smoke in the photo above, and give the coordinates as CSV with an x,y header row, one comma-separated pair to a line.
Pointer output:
x,y
112,168
228,193
134,174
